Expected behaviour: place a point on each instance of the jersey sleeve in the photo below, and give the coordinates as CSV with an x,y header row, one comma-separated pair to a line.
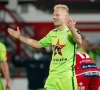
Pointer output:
x,y
3,53
71,39
46,41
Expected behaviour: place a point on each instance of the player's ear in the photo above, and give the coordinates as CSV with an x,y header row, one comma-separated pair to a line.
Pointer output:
x,y
66,17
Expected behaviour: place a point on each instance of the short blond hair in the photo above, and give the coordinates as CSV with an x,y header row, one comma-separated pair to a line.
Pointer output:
x,y
61,6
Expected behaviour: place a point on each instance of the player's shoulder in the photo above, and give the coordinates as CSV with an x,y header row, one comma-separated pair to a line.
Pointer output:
x,y
54,30
2,45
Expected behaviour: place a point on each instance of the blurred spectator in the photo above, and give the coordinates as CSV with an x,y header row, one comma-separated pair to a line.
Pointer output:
x,y
84,47
37,69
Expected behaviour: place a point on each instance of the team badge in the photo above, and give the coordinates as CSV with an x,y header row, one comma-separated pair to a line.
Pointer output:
x,y
65,36
57,48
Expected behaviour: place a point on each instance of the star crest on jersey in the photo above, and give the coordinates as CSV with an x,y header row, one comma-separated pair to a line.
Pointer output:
x,y
57,48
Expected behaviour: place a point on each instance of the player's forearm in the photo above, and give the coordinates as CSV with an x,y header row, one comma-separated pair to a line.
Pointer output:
x,y
5,70
30,42
77,36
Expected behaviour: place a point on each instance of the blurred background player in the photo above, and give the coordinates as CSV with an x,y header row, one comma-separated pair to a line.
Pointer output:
x,y
94,53
92,49
84,47
4,67
88,74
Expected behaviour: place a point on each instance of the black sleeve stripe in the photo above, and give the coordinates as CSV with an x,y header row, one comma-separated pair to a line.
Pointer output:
x,y
78,31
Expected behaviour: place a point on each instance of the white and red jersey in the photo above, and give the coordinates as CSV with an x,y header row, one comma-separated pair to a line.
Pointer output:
x,y
83,60
88,74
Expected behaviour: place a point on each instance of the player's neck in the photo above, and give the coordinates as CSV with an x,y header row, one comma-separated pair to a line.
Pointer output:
x,y
62,27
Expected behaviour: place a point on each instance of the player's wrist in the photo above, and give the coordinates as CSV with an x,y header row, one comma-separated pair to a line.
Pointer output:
x,y
8,80
19,37
72,28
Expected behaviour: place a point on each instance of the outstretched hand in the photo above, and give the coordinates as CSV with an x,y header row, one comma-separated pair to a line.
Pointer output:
x,y
14,33
70,23
8,86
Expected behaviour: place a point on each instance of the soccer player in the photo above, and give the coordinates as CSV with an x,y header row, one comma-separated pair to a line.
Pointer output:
x,y
88,74
63,39
4,67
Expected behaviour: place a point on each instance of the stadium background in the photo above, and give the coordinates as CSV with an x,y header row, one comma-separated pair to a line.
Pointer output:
x,y
34,18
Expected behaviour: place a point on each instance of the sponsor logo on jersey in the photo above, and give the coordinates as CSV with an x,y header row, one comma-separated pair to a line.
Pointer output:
x,y
61,59
88,66
86,61
91,74
81,86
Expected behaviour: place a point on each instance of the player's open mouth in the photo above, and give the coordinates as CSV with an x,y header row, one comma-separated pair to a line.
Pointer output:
x,y
55,21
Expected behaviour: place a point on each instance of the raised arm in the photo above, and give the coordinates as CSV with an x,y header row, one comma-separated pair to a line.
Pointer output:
x,y
31,42
71,25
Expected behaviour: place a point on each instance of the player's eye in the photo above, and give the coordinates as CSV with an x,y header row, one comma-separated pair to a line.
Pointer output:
x,y
57,15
